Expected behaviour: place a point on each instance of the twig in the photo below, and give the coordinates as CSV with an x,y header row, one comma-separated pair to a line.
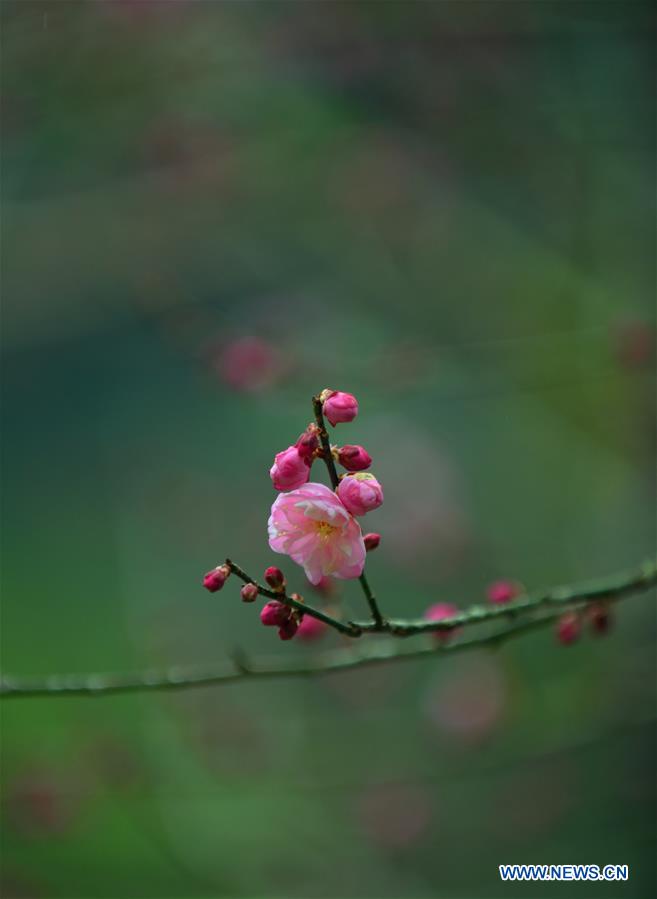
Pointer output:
x,y
361,655
348,628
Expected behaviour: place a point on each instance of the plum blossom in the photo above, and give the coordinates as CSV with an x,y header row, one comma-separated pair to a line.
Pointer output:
x,y
312,526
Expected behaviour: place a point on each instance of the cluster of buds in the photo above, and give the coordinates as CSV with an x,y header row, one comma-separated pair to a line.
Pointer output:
x,y
292,466
278,614
569,625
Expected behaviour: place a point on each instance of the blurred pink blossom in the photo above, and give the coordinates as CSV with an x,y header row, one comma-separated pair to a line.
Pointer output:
x,y
439,611
467,698
248,364
311,629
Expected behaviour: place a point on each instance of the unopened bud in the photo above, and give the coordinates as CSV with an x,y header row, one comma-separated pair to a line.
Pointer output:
x,y
503,591
288,629
569,628
249,593
275,578
308,443
339,406
274,613
215,579
354,458
599,618
360,493
371,541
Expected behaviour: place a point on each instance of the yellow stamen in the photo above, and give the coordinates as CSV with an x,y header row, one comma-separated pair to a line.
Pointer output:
x,y
325,529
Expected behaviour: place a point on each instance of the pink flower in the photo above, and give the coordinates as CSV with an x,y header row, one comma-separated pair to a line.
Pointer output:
x,y
313,527
354,458
290,470
360,493
339,406
438,612
311,628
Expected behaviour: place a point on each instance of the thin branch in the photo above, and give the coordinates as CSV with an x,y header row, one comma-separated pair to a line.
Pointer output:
x,y
348,628
540,610
178,678
608,588
327,455
378,622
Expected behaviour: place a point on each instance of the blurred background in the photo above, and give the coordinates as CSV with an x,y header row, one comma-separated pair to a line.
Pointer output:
x,y
212,211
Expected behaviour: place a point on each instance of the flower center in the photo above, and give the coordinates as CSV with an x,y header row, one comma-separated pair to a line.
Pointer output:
x,y
325,529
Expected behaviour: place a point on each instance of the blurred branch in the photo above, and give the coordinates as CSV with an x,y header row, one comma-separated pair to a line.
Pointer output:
x,y
537,611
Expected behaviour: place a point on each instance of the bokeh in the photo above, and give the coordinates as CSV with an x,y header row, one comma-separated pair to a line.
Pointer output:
x,y
213,210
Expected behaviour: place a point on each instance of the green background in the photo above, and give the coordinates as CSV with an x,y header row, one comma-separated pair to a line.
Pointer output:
x,y
444,208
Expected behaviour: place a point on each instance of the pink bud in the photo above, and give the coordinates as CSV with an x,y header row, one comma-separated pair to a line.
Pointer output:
x,y
569,628
340,407
275,578
438,612
503,591
371,541
288,629
354,458
289,470
311,628
274,613
308,443
599,618
215,579
249,593
360,493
